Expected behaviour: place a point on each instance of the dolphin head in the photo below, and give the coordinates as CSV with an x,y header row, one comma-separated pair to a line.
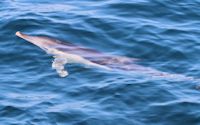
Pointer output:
x,y
45,43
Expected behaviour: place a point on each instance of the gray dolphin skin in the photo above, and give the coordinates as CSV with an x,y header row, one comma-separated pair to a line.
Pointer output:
x,y
64,52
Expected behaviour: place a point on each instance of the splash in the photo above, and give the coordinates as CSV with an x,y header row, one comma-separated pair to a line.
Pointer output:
x,y
59,61
59,65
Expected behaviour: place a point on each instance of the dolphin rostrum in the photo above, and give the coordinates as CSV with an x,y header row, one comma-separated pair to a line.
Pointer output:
x,y
64,52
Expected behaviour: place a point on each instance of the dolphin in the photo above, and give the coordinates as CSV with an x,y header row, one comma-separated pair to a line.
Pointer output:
x,y
66,52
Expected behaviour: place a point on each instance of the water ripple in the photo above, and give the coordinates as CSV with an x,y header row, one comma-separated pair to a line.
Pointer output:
x,y
163,35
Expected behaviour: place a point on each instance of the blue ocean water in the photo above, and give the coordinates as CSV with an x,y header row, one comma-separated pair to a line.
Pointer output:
x,y
163,35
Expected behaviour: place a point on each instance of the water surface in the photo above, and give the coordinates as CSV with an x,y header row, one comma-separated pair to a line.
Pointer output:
x,y
164,35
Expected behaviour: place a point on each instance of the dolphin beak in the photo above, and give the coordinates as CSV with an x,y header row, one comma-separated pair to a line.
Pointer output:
x,y
28,38
19,34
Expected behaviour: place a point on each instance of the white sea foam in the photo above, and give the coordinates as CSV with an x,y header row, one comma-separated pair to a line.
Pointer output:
x,y
59,65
